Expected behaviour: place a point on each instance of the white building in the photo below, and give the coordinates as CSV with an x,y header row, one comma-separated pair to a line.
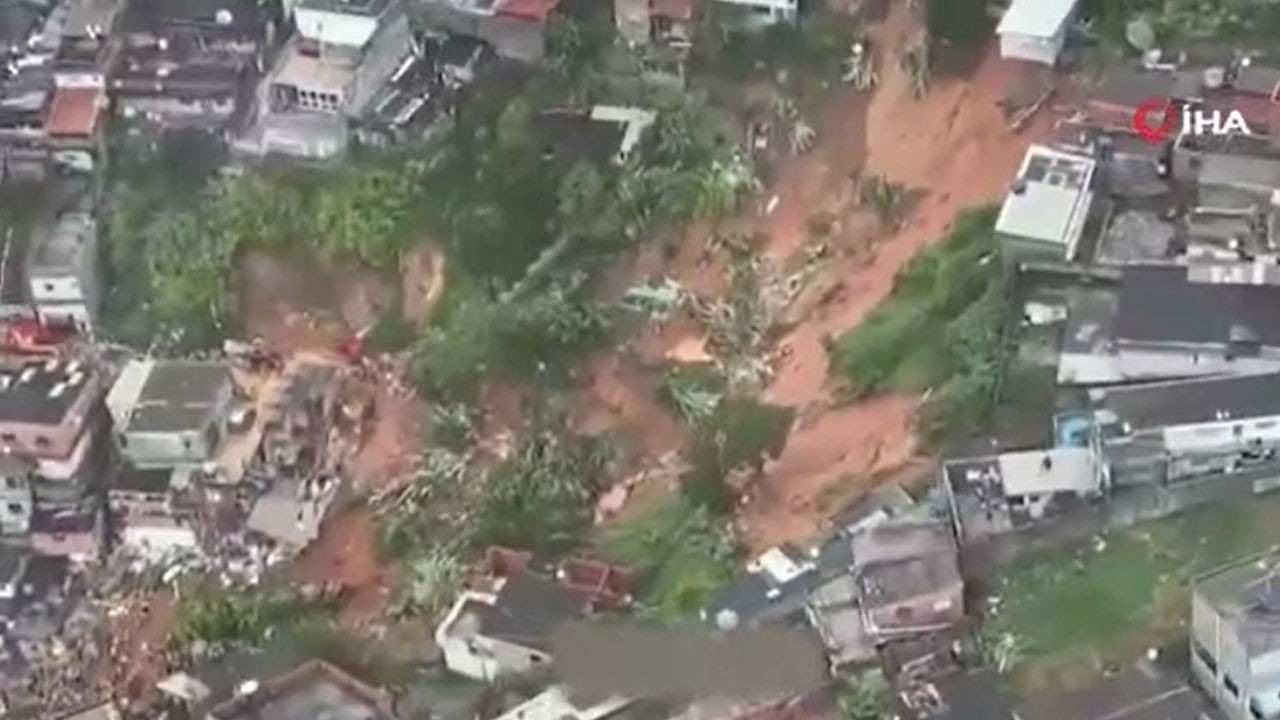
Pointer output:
x,y
557,703
62,271
344,53
1044,214
1035,30
761,13
170,413
488,635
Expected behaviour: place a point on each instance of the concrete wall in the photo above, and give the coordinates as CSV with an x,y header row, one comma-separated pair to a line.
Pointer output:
x,y
167,449
1014,46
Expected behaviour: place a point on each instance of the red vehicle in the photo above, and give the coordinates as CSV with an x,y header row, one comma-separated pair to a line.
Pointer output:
x,y
36,337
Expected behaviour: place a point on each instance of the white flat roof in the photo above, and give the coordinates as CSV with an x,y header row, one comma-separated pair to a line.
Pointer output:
x,y
311,73
1037,18
1034,472
1051,197
555,704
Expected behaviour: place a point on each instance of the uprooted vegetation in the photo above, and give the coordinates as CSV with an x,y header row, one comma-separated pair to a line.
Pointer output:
x,y
213,619
540,498
939,331
681,550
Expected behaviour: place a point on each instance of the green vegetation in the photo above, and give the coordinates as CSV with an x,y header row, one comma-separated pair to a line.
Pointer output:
x,y
480,335
867,698
362,656
740,434
941,328
959,22
391,332
1178,19
212,615
540,498
682,551
430,583
692,392
1109,605
178,259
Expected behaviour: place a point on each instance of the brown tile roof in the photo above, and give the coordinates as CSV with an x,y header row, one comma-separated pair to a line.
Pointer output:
x,y
75,112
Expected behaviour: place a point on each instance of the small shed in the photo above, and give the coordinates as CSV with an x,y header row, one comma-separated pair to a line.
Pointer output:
x,y
1035,30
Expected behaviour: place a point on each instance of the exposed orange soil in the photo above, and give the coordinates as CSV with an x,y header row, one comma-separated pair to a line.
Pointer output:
x,y
138,640
618,397
346,555
954,148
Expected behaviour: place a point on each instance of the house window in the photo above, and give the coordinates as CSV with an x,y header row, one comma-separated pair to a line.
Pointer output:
x,y
903,612
1203,653
1231,686
48,287
15,508
8,437
42,441
11,483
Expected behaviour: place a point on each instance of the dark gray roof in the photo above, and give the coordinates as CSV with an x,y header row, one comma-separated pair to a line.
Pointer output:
x,y
1257,79
1139,693
194,16
187,80
973,696
17,20
754,599
529,608
1127,87
1194,401
10,561
573,136
178,395
133,479
29,396
1160,305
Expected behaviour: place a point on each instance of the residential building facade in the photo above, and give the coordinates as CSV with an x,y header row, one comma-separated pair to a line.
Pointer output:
x,y
1235,639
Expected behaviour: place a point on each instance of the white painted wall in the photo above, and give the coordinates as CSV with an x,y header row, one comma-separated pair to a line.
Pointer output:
x,y
769,11
335,28
1042,50
56,289
159,540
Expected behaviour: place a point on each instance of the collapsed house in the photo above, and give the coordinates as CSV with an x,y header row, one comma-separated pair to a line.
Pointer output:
x,y
300,479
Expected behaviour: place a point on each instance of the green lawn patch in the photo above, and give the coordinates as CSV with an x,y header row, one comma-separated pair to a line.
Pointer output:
x,y
1072,613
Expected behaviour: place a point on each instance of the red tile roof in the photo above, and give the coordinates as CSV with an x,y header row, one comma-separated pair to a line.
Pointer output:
x,y
75,112
534,10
